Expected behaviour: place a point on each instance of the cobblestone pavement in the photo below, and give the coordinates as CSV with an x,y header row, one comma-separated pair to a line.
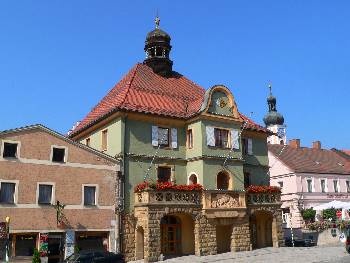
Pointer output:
x,y
284,254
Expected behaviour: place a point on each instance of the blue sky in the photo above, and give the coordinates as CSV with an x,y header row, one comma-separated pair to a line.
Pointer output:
x,y
59,58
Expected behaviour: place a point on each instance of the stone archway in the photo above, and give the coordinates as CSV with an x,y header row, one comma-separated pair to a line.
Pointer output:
x,y
139,243
177,234
261,229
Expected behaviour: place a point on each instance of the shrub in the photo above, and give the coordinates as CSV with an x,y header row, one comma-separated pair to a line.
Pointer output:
x,y
329,213
309,215
36,256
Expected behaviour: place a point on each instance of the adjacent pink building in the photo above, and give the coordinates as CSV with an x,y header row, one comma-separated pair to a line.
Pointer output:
x,y
308,177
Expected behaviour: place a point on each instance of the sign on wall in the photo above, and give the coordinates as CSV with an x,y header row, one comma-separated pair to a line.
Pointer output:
x,y
44,246
70,242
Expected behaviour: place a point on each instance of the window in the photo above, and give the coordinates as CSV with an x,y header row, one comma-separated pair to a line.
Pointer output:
x,y
280,184
247,146
189,139
58,155
163,136
309,185
104,140
164,174
222,181
323,185
192,179
89,195
10,150
7,193
221,138
87,142
348,186
335,184
45,194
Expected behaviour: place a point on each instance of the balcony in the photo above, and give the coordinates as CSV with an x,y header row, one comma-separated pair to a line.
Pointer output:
x,y
168,198
263,198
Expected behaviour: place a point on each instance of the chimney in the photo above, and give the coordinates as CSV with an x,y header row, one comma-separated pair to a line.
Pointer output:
x,y
316,145
295,143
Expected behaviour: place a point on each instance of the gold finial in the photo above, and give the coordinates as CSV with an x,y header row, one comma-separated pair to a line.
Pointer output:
x,y
157,21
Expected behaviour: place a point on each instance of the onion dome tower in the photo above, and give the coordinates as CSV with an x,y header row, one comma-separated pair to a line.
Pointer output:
x,y
157,48
274,121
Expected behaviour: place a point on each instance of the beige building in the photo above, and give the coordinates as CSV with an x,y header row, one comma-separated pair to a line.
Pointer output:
x,y
53,187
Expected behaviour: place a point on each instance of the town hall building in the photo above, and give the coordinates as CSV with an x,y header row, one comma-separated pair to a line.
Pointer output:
x,y
195,170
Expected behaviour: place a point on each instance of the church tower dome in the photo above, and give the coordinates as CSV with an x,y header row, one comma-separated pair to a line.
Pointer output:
x,y
157,48
274,121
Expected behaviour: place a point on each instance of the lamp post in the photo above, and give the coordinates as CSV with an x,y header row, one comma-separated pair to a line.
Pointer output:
x,y
7,220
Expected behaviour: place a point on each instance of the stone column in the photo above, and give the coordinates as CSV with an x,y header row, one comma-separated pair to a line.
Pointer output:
x,y
129,237
205,237
240,239
277,232
152,238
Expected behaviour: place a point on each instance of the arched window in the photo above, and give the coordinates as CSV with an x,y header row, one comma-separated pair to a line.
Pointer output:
x,y
192,179
222,181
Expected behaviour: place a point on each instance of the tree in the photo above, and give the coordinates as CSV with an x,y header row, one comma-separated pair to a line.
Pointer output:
x,y
309,215
36,256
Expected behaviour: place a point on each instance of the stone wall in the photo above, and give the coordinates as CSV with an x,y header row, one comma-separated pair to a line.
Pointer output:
x,y
241,237
205,236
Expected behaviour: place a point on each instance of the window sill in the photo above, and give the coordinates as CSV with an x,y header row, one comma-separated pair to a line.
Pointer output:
x,y
45,204
10,158
90,206
218,148
58,162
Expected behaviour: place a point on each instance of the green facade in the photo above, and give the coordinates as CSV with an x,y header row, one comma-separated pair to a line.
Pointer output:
x,y
132,141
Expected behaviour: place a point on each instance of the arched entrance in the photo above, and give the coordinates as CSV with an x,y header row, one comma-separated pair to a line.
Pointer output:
x,y
223,238
177,234
170,235
261,229
223,181
139,243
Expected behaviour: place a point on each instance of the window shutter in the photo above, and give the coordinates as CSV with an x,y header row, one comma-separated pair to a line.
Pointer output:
x,y
155,135
173,138
250,146
234,139
210,136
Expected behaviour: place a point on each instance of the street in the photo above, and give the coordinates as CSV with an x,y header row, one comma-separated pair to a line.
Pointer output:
x,y
284,254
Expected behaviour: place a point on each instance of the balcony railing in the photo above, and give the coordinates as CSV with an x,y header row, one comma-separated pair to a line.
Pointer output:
x,y
168,197
263,198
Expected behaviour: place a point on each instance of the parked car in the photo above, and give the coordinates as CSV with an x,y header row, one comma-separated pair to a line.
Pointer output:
x,y
95,257
300,242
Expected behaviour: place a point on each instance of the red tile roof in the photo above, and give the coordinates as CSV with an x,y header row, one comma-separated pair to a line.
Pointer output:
x,y
251,125
141,90
309,160
346,151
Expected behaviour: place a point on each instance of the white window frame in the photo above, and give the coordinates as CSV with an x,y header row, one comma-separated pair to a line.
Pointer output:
x,y
18,149
312,185
326,185
338,185
346,185
189,175
53,192
96,194
15,198
279,185
65,153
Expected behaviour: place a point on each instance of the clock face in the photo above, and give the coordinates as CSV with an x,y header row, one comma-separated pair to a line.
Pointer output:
x,y
221,103
280,132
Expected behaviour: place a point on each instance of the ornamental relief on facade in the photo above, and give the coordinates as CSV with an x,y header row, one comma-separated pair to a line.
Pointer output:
x,y
225,201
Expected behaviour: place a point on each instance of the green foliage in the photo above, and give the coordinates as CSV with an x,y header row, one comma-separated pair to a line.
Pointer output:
x,y
309,214
76,249
329,213
36,256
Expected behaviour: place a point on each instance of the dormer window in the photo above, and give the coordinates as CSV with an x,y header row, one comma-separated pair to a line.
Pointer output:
x,y
10,150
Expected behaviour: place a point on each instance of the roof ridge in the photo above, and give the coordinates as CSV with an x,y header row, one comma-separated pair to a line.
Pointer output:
x,y
129,84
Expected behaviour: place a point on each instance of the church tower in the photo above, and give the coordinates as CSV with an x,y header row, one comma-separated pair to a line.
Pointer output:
x,y
157,48
274,121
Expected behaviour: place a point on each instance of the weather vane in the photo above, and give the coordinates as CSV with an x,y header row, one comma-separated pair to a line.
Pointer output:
x,y
157,21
